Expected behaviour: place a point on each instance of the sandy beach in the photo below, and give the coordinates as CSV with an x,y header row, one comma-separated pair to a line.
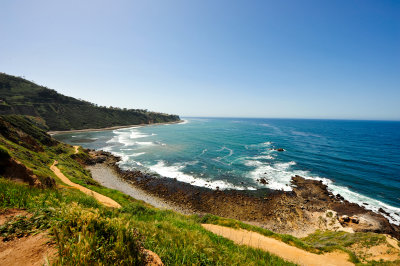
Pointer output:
x,y
110,128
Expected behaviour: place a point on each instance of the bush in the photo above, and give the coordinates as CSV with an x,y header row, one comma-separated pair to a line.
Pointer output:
x,y
86,237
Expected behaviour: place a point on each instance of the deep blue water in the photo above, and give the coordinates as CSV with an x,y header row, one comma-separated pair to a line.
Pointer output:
x,y
358,159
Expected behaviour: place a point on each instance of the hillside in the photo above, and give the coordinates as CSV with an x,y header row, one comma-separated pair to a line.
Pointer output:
x,y
58,112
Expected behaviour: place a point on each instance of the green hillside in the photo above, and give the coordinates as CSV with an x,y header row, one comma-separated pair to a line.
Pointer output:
x,y
60,112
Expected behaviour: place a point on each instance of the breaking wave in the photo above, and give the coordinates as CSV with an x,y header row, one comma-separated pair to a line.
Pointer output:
x,y
175,171
279,175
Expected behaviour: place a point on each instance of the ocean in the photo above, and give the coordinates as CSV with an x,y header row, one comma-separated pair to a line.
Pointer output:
x,y
359,160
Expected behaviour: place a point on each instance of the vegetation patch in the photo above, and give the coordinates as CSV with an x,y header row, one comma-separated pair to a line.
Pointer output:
x,y
51,110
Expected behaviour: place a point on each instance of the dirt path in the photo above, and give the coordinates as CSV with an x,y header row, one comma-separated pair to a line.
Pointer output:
x,y
101,198
76,149
283,250
28,250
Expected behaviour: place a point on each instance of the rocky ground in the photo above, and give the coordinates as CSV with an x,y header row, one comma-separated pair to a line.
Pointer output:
x,y
310,206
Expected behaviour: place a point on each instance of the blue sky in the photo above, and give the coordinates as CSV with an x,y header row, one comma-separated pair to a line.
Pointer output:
x,y
297,59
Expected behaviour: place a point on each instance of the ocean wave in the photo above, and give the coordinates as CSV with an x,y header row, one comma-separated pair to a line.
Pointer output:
x,y
121,136
175,171
276,129
136,134
191,163
147,143
257,146
203,151
137,154
305,134
128,137
262,157
228,149
279,176
373,204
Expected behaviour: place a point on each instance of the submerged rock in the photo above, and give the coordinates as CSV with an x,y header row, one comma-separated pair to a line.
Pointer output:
x,y
263,181
278,149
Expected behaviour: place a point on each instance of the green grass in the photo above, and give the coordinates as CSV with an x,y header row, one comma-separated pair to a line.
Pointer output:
x,y
318,242
87,233
289,239
328,239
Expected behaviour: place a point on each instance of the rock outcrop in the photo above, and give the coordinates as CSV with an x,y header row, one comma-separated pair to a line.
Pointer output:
x,y
17,171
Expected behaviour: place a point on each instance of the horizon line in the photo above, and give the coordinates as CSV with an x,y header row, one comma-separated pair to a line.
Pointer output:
x,y
295,118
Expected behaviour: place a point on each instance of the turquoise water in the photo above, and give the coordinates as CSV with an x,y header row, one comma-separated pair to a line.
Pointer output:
x,y
358,159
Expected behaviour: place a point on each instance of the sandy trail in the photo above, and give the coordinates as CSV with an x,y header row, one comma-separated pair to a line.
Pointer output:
x,y
101,198
76,149
283,250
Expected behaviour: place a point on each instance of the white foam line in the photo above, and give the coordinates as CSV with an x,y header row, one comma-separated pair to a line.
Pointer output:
x,y
185,121
259,145
228,155
137,154
175,171
136,134
279,176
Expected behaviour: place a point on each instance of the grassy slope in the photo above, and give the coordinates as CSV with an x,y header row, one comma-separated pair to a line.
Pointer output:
x,y
178,239
86,232
59,112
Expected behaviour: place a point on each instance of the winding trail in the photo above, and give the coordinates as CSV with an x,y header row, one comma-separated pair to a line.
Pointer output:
x,y
281,249
106,201
76,149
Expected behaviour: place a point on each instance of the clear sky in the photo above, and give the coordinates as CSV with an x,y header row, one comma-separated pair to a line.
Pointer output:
x,y
297,59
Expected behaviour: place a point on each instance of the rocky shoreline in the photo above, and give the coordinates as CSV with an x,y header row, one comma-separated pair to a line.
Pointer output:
x,y
309,207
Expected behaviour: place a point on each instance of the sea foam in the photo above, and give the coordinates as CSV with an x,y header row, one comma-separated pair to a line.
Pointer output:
x,y
279,176
251,161
175,171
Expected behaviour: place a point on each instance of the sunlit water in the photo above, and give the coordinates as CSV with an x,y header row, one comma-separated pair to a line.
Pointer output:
x,y
358,159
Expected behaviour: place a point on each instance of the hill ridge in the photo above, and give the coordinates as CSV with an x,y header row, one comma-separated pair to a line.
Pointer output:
x,y
55,111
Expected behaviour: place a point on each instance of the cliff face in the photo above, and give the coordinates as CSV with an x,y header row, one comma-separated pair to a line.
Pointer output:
x,y
60,112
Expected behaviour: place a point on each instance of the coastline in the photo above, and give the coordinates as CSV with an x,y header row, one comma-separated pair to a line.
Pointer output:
x,y
108,177
52,133
298,212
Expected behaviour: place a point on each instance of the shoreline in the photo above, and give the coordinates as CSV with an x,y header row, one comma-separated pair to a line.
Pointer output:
x,y
298,212
56,132
108,177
